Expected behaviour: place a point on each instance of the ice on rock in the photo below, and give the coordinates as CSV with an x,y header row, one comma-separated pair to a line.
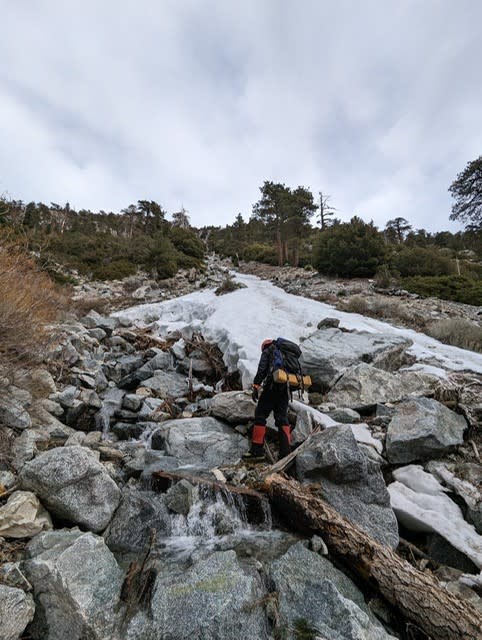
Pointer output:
x,y
421,504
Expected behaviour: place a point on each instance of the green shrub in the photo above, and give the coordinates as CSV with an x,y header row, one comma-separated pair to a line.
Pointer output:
x,y
187,242
385,278
227,286
260,252
115,270
162,257
420,261
457,288
350,250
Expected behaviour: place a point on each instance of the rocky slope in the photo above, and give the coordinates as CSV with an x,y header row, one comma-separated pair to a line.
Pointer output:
x,y
81,438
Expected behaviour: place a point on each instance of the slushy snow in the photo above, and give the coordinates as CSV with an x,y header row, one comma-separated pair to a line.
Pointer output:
x,y
239,321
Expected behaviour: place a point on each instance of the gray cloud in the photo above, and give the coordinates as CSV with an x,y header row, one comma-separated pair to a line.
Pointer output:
x,y
376,103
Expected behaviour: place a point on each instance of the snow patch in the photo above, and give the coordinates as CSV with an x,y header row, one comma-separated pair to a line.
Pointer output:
x,y
421,504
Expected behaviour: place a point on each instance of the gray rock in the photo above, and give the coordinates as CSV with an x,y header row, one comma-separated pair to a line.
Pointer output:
x,y
43,419
112,402
127,430
139,512
90,398
350,482
328,353
345,415
25,446
167,384
76,584
311,589
55,408
198,361
181,496
332,454
203,442
73,485
160,362
16,611
443,552
328,323
11,575
213,599
22,396
7,479
94,319
365,386
12,413
132,401
151,408
423,428
236,407
67,396
98,333
116,370
178,349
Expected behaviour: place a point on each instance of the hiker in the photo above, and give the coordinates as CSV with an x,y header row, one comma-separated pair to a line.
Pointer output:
x,y
269,397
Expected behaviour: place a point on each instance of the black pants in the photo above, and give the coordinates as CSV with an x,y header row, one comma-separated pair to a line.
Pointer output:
x,y
274,399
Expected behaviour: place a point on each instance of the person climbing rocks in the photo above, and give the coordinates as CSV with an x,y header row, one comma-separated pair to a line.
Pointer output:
x,y
269,397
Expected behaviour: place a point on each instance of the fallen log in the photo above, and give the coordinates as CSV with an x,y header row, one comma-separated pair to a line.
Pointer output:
x,y
420,598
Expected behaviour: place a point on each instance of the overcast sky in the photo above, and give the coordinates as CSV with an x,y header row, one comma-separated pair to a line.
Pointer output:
x,y
196,102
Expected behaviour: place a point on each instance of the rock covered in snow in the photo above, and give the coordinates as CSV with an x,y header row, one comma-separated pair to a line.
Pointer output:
x,y
73,485
16,611
421,504
423,428
76,583
465,480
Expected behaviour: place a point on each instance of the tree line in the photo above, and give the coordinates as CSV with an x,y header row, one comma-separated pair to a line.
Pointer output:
x,y
105,245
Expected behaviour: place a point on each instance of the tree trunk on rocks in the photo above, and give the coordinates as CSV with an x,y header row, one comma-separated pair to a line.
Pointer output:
x,y
417,595
253,500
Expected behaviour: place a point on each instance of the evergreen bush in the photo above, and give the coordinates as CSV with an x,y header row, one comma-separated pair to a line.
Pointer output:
x,y
350,250
457,288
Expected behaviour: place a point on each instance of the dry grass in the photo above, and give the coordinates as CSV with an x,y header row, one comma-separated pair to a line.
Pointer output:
x,y
82,306
29,301
382,309
458,332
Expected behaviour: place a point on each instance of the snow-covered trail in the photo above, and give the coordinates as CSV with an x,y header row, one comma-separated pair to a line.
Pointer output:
x,y
239,321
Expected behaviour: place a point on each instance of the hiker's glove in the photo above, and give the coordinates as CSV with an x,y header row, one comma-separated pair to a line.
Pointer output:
x,y
255,392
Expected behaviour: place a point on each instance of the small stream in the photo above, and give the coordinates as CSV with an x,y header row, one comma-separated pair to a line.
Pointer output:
x,y
217,521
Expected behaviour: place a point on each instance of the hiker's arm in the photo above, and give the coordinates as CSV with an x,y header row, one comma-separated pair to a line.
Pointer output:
x,y
263,368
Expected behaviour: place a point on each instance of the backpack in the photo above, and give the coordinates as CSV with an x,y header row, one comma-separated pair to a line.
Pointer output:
x,y
285,364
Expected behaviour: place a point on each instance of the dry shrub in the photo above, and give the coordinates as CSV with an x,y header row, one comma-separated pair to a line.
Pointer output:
x,y
356,304
458,332
29,301
82,306
381,308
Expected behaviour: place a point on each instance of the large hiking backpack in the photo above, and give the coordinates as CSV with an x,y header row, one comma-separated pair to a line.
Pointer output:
x,y
285,364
